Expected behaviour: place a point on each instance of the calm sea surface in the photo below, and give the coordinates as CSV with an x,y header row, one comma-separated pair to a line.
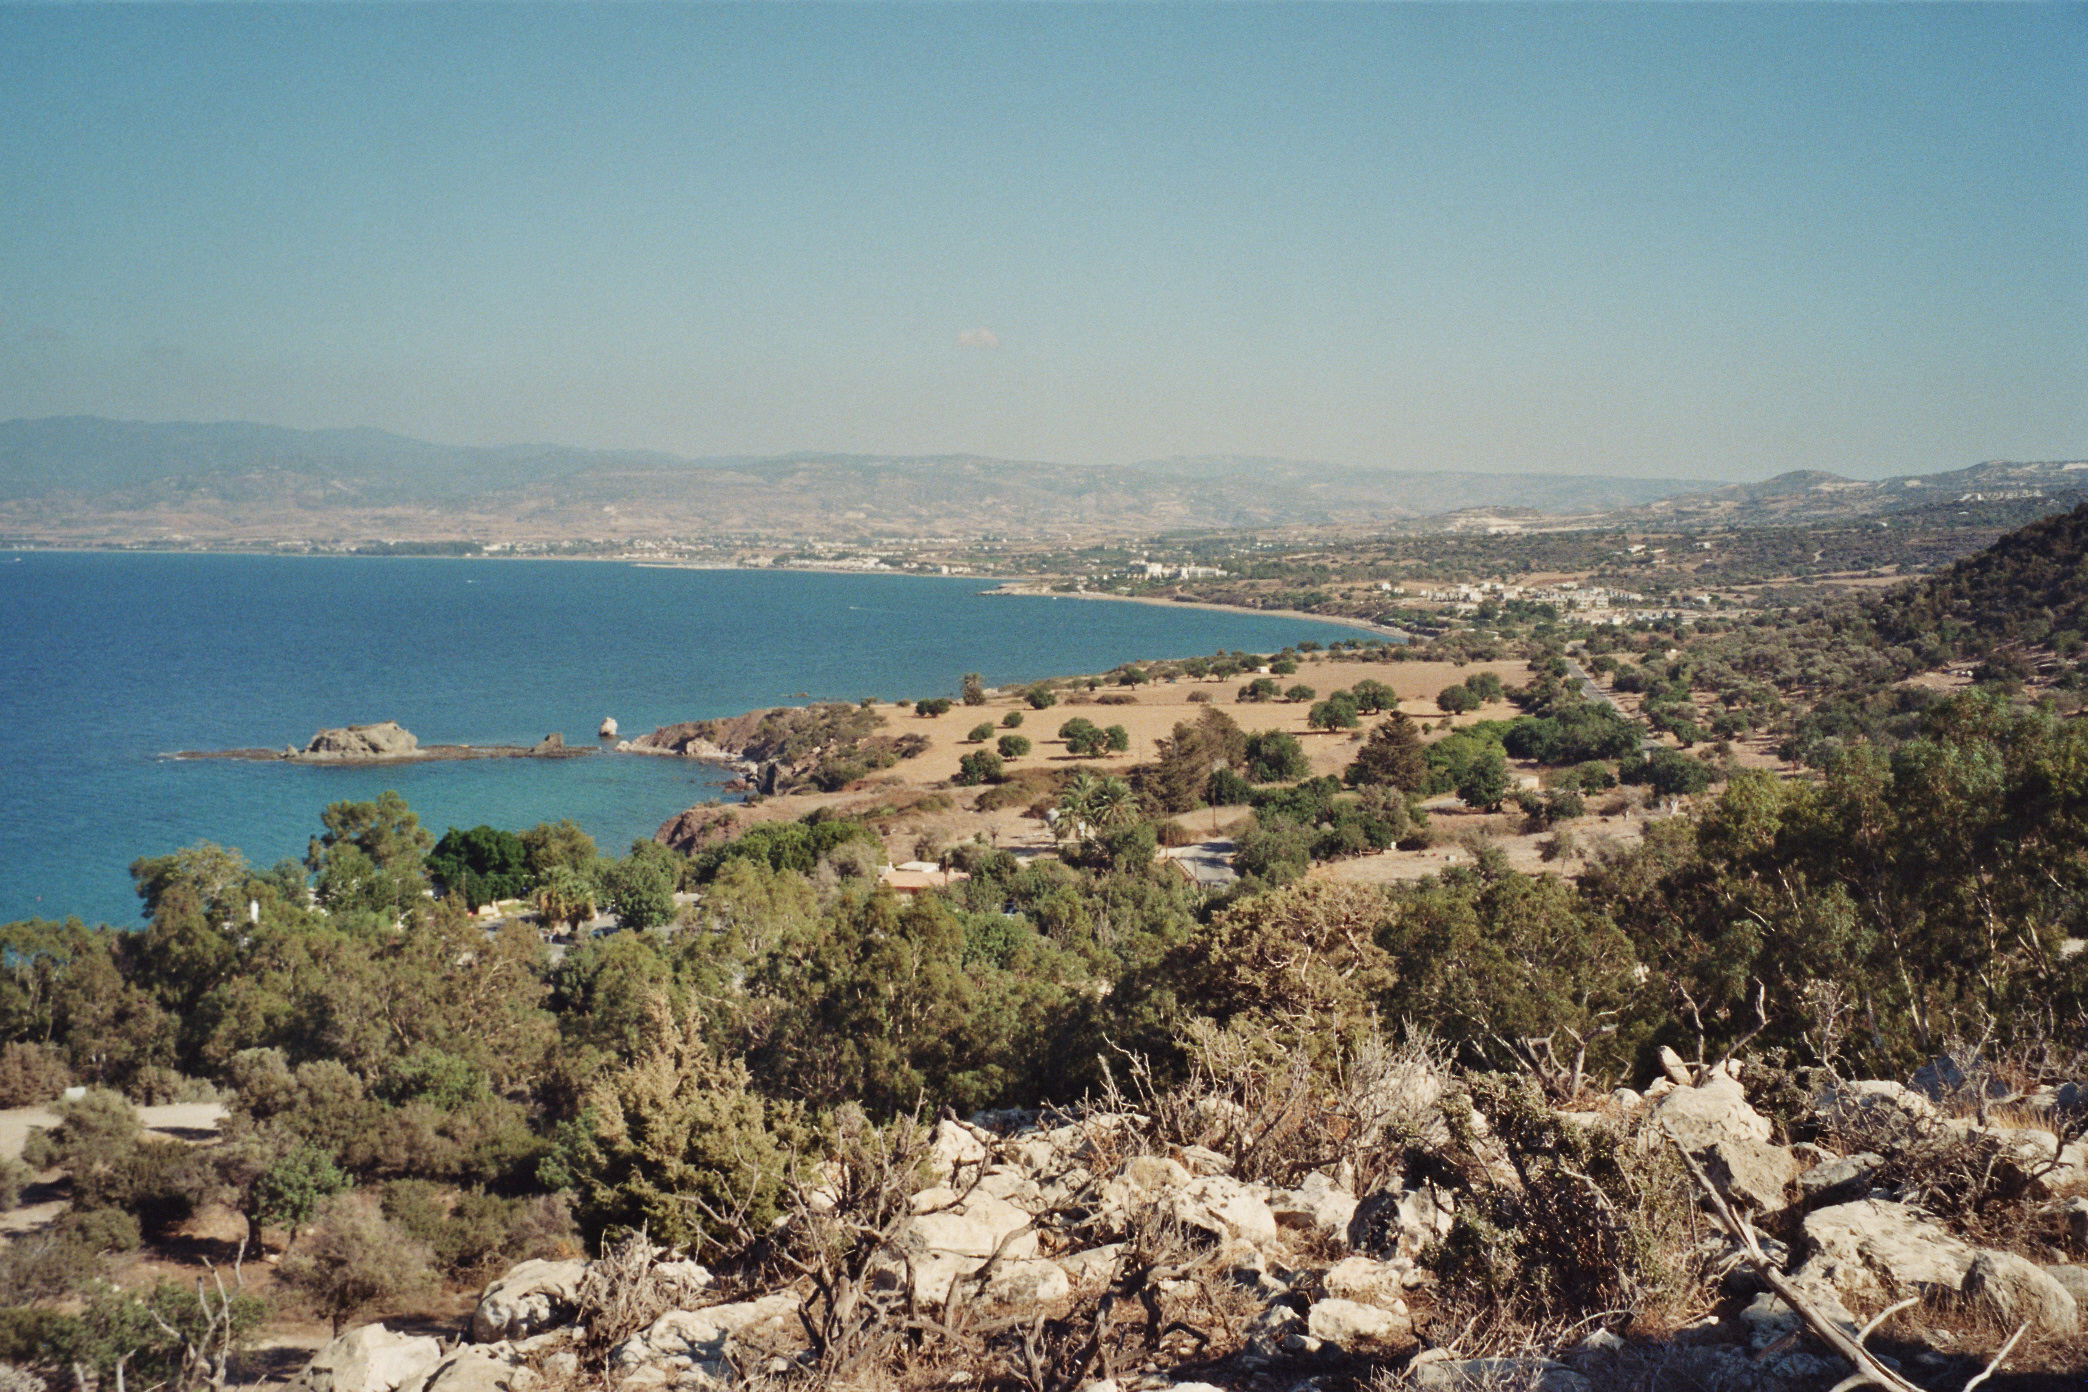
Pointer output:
x,y
111,661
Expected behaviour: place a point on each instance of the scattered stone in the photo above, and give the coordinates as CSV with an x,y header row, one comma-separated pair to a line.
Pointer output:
x,y
608,729
1493,1374
553,743
1033,1281
953,1146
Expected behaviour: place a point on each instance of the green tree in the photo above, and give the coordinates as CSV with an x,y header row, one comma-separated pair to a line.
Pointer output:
x,y
670,1139
1456,700
1084,739
1484,781
974,689
1186,760
566,895
1040,697
480,865
1373,696
371,856
639,890
549,846
1013,746
1275,756
1390,758
1299,693
1116,739
1337,712
981,732
1012,720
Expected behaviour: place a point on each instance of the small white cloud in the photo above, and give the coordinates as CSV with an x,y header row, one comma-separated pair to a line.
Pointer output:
x,y
981,339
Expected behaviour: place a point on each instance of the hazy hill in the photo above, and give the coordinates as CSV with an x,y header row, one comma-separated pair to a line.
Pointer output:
x,y
1812,495
81,477
2027,587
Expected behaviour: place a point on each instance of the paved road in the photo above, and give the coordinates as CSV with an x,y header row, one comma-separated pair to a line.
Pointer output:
x,y
1589,689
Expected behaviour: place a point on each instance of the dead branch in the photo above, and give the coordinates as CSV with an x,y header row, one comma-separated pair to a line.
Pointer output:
x,y
1869,1371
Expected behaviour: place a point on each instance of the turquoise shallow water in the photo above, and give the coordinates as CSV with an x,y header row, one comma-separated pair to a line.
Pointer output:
x,y
112,661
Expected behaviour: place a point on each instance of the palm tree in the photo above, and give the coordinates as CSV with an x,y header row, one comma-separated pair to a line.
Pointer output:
x,y
566,896
1076,805
1112,804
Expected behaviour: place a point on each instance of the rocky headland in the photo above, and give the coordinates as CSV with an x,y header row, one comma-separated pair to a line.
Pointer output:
x,y
387,742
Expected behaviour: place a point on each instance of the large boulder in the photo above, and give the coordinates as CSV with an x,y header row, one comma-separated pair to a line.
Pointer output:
x,y
1367,1282
1353,1327
954,1235
369,1359
693,1348
1226,1209
530,1298
474,1368
1716,1111
1318,1207
386,739
2015,1290
1714,1122
1399,1223
1873,1248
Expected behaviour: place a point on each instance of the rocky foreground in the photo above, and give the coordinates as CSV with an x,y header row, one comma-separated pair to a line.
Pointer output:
x,y
1054,1253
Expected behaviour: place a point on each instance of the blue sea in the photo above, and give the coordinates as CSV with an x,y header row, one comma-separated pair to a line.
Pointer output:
x,y
114,660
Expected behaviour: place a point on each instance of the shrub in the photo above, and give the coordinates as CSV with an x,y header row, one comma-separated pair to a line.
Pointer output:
x,y
980,766
675,1144
291,1188
1013,746
933,706
31,1074
352,1256
981,732
1012,720
1040,698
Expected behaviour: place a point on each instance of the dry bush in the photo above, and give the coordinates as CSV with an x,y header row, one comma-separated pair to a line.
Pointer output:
x,y
623,1292
1595,1226
1264,1103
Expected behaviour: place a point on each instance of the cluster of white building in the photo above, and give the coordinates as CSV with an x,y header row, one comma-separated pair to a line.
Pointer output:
x,y
1156,570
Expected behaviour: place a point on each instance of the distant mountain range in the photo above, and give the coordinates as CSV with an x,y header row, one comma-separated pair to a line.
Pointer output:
x,y
86,478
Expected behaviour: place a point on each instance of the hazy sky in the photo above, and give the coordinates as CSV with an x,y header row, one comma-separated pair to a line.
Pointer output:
x,y
1690,240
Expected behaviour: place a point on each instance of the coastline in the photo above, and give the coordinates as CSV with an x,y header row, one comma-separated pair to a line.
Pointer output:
x,y
1022,589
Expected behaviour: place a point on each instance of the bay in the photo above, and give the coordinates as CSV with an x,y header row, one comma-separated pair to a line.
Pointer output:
x,y
114,660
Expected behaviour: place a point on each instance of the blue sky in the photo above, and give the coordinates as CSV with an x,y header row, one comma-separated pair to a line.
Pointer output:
x,y
1692,240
